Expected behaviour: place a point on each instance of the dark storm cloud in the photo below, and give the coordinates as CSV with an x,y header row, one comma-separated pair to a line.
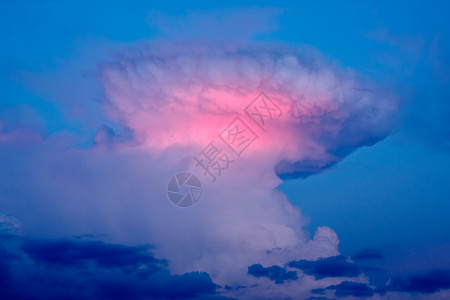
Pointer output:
x,y
275,273
76,269
349,288
368,253
335,266
160,285
5,269
303,168
318,291
426,282
74,253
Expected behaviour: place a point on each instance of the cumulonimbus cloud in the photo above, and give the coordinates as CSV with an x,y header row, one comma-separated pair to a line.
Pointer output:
x,y
184,94
175,98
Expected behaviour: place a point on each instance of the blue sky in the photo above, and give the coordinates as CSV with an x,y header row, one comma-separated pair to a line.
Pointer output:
x,y
392,196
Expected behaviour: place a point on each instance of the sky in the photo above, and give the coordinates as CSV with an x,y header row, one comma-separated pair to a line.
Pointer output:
x,y
318,133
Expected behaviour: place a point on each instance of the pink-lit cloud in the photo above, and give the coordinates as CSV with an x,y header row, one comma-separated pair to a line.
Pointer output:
x,y
184,95
176,98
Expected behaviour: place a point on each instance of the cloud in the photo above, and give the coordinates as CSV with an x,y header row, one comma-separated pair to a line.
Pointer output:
x,y
328,112
5,269
335,266
9,225
367,254
94,270
275,273
427,282
169,93
318,291
108,138
75,253
20,124
349,288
